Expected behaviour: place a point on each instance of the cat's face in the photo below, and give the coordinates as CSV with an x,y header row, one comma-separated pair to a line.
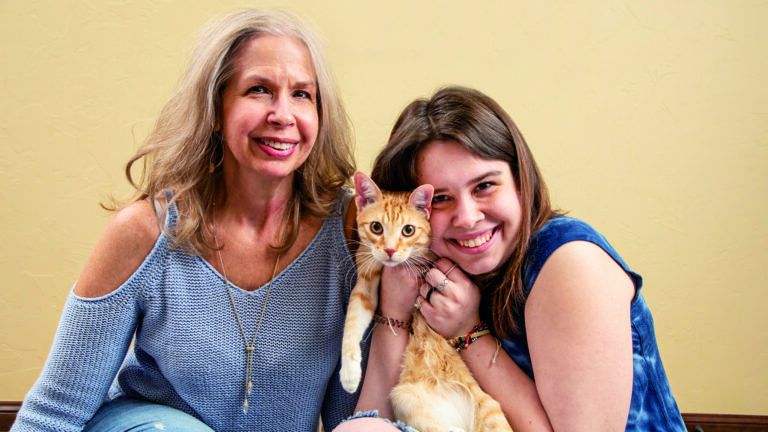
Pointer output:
x,y
393,226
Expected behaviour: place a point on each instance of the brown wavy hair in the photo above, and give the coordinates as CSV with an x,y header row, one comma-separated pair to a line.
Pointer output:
x,y
181,148
482,127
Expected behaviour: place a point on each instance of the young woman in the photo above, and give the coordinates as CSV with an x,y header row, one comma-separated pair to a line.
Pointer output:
x,y
579,350
235,314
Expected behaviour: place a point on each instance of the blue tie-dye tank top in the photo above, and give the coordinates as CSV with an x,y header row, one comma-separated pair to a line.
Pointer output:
x,y
653,407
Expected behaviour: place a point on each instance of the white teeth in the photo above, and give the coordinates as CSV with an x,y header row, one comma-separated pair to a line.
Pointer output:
x,y
277,145
475,242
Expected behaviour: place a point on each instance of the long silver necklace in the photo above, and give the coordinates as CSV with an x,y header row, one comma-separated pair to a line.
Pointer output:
x,y
250,347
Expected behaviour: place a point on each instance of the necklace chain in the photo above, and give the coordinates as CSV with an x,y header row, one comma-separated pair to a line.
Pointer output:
x,y
250,347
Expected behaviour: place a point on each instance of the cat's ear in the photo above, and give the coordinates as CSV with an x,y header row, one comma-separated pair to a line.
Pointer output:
x,y
366,191
421,199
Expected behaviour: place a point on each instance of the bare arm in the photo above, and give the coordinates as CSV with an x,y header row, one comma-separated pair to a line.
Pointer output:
x,y
508,384
398,292
452,313
93,335
579,334
125,243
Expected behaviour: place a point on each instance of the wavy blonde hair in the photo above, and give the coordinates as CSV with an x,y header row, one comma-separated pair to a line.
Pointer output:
x,y
178,153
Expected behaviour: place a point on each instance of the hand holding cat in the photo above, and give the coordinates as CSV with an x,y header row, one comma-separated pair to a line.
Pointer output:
x,y
455,309
399,288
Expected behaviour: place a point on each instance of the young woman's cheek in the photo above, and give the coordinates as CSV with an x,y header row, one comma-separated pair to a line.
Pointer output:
x,y
438,223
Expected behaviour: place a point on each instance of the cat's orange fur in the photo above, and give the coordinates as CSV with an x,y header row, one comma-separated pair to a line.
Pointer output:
x,y
436,391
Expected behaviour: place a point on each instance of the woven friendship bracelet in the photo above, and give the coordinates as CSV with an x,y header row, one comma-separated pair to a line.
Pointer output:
x,y
463,342
391,322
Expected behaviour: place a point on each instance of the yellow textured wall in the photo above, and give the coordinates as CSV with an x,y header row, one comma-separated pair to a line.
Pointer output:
x,y
649,120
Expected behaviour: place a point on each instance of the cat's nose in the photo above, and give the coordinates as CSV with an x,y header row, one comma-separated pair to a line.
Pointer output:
x,y
389,252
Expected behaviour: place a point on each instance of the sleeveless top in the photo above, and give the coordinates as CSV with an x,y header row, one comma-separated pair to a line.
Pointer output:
x,y
653,407
188,352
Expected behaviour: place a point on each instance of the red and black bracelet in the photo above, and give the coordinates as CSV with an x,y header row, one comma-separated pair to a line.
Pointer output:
x,y
461,343
405,325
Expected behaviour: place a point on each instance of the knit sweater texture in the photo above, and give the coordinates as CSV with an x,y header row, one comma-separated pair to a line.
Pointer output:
x,y
187,349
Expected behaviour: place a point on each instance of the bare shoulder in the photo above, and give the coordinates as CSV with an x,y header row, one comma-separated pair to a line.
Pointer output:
x,y
581,272
122,247
578,327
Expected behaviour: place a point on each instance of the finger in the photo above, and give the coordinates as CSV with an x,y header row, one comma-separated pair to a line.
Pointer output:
x,y
426,308
418,303
445,265
423,305
428,297
424,289
435,277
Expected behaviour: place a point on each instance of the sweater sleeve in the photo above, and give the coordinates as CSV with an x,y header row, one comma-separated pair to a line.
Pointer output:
x,y
88,349
338,404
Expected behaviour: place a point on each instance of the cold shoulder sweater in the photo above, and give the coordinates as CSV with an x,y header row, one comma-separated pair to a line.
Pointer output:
x,y
188,352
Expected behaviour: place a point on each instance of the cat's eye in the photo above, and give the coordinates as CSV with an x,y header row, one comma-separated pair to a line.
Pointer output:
x,y
408,230
376,227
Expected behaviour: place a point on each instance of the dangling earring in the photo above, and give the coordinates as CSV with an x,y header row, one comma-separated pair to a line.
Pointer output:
x,y
217,148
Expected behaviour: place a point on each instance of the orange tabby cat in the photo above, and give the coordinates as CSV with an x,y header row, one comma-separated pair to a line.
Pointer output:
x,y
436,391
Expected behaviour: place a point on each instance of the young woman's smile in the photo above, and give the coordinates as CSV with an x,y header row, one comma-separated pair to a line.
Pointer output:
x,y
476,208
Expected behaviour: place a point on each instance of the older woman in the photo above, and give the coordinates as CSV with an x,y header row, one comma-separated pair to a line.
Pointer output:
x,y
228,270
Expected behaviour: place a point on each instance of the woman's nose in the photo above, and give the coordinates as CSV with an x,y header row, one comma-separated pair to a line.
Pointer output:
x,y
467,214
281,114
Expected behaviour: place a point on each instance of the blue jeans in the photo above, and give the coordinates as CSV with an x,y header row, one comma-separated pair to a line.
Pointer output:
x,y
131,415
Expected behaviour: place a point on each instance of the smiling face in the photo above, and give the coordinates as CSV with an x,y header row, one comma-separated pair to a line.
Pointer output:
x,y
269,119
476,210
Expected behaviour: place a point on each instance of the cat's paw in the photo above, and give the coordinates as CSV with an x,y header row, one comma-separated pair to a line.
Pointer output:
x,y
350,374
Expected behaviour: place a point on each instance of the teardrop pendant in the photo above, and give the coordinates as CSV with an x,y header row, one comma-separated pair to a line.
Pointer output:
x,y
245,406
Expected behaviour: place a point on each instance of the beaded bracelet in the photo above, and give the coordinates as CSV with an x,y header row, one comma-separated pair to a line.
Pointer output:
x,y
391,322
463,342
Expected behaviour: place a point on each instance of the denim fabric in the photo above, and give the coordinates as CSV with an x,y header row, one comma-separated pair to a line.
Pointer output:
x,y
653,407
375,414
133,415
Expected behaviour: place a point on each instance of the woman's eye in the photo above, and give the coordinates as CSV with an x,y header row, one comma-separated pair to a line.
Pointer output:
x,y
257,89
376,227
302,94
437,199
408,230
483,186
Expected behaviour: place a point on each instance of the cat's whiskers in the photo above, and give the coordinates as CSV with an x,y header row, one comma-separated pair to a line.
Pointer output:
x,y
458,402
367,264
420,264
349,262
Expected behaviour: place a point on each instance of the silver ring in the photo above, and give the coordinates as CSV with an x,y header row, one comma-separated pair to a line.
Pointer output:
x,y
441,286
449,270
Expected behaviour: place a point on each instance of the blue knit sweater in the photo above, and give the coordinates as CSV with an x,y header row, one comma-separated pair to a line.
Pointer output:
x,y
188,352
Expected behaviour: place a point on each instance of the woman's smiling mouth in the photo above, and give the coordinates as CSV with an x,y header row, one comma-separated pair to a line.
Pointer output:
x,y
476,244
277,147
